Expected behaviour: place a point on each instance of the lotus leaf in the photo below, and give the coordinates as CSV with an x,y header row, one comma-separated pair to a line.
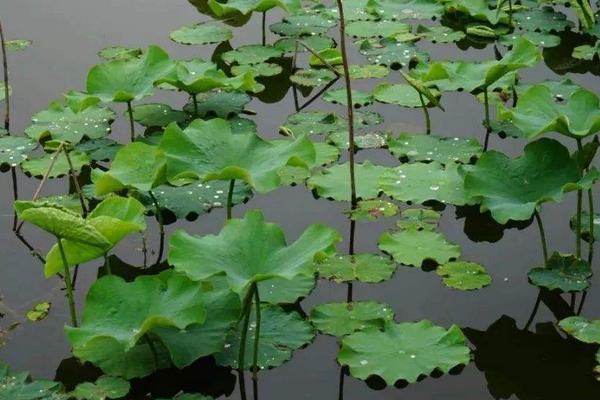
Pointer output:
x,y
102,149
14,150
419,183
585,226
341,319
544,20
106,387
260,69
440,34
383,28
317,43
464,275
128,80
17,44
587,52
247,6
365,71
249,250
39,311
400,94
373,140
405,9
286,291
280,334
419,218
301,25
312,77
476,9
331,57
538,38
38,167
219,104
119,53
511,189
392,53
338,96
311,123
157,115
563,272
20,386
408,147
582,329
412,246
404,351
332,183
372,210
366,267
251,54
201,34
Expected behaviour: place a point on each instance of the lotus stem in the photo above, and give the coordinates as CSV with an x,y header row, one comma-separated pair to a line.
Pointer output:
x,y
131,121
294,90
591,226
264,28
230,198
32,250
540,225
578,216
161,227
107,264
76,184
68,283
245,318
256,334
195,101
510,12
534,311
144,249
319,57
486,104
426,112
582,302
318,94
349,107
15,186
6,89
341,384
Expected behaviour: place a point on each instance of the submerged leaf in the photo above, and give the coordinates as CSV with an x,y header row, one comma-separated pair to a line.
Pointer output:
x,y
341,319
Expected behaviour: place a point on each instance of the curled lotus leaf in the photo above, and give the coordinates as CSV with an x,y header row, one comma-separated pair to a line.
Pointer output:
x,y
364,267
280,334
401,94
445,150
119,53
251,54
582,329
373,209
405,9
332,183
201,34
259,253
208,150
405,351
105,387
38,167
245,7
128,80
383,28
14,150
412,246
511,189
341,319
155,115
338,96
392,53
476,9
585,225
463,275
564,272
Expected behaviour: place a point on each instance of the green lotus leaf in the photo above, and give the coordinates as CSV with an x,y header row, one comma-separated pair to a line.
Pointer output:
x,y
325,154
372,210
419,218
585,226
365,71
251,54
223,308
580,328
317,43
157,115
545,19
220,104
280,334
400,94
302,25
105,387
201,34
128,80
338,96
542,39
476,9
411,148
260,253
375,140
114,218
563,272
412,246
463,275
419,183
366,267
247,6
560,90
286,291
102,149
539,111
20,386
511,189
17,44
404,351
39,311
38,167
260,69
70,202
137,165
312,77
119,53
440,34
332,183
341,319
587,52
383,28
63,123
193,200
60,222
392,53
405,9
331,57
311,123
14,150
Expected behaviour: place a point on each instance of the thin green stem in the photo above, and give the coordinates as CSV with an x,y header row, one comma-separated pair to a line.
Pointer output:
x,y
144,249
6,87
68,283
76,184
426,112
264,28
230,198
161,227
195,101
256,334
540,225
131,121
15,186
107,264
245,318
578,216
510,13
591,226
319,57
486,105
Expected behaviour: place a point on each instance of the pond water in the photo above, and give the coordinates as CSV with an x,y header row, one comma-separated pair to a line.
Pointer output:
x,y
510,361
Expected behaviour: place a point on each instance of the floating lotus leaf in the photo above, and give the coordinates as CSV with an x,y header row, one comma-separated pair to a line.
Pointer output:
x,y
190,154
14,149
324,154
70,202
542,20
538,38
201,34
219,104
560,90
20,386
38,167
311,123
341,319
252,238
105,387
585,226
332,183
366,267
464,275
317,43
404,351
128,80
365,71
373,140
412,246
17,44
392,53
419,183
260,69
338,96
405,9
251,54
280,334
582,329
312,77
440,34
587,52
209,337
39,311
102,149
286,291
372,210
137,165
511,189
195,199
157,115
331,57
563,272
65,124
114,218
247,6
419,218
383,28
476,9
400,94
303,25
119,53
409,147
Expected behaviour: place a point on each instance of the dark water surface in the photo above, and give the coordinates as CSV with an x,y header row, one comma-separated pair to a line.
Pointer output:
x,y
510,362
